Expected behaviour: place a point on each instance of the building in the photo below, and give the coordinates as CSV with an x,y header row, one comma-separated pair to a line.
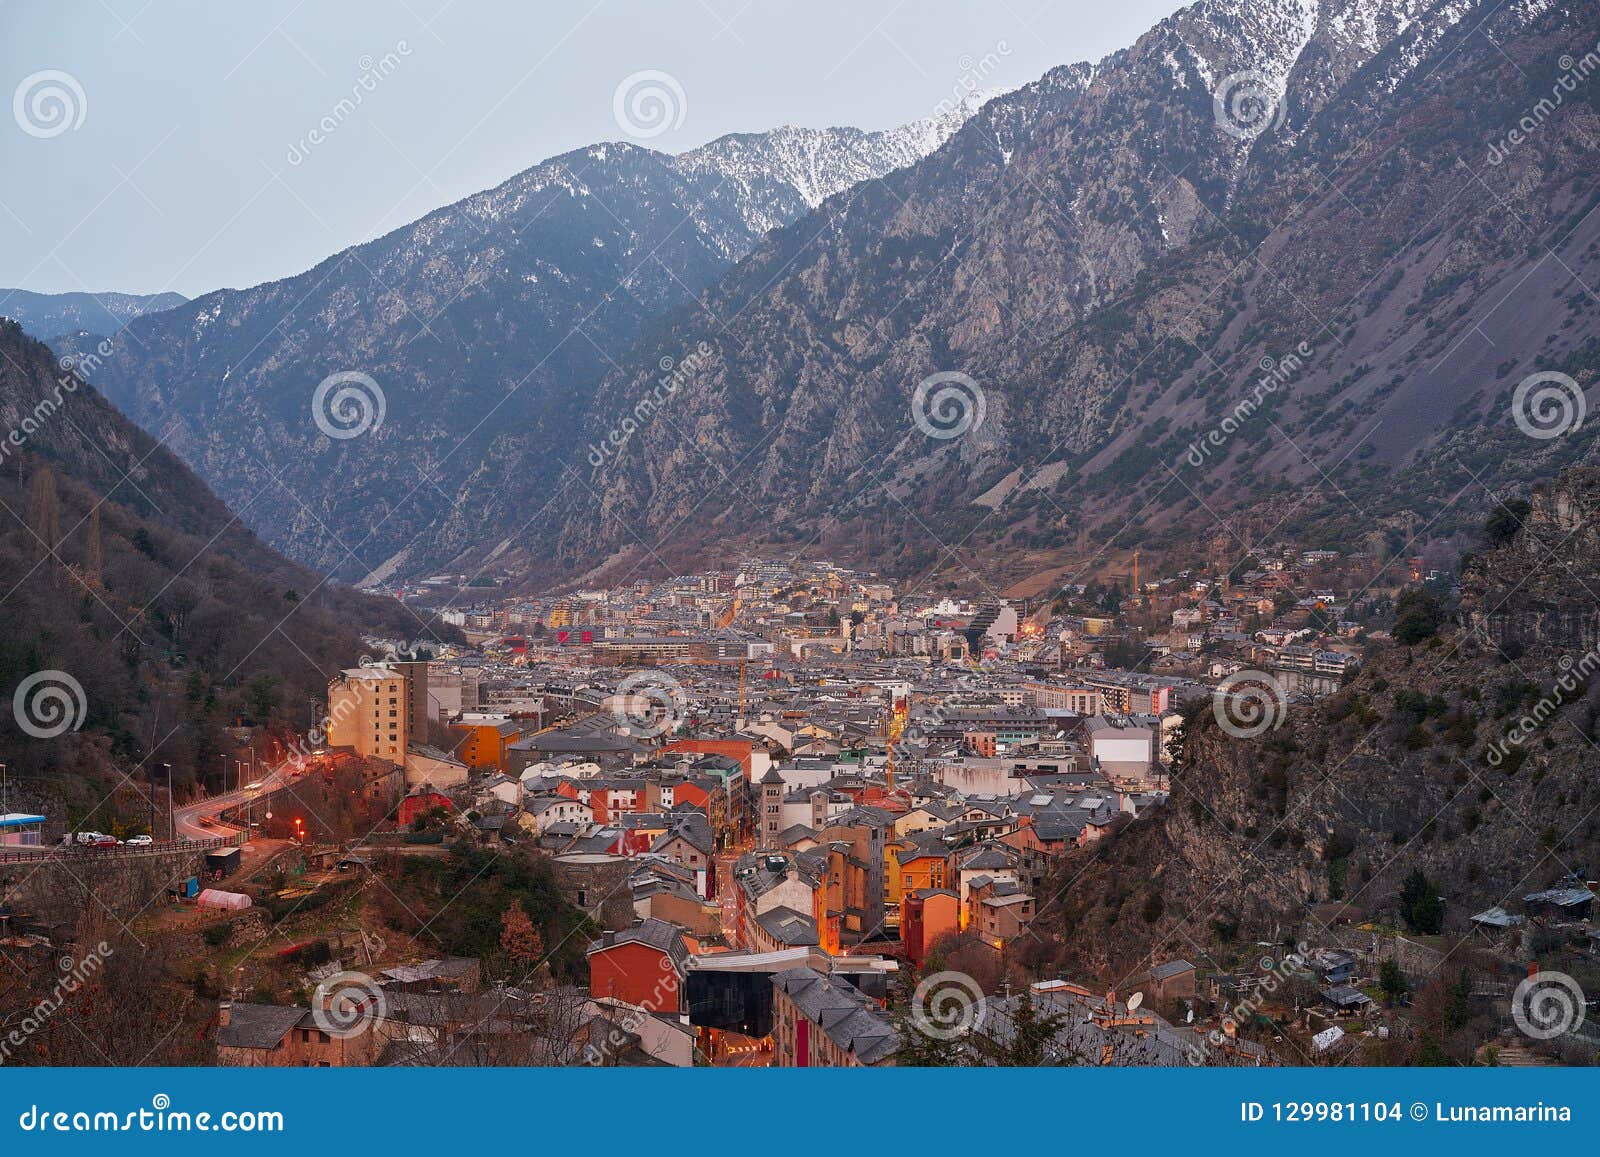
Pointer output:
x,y
18,830
415,674
820,1021
643,965
279,1036
999,910
369,710
420,801
926,915
487,739
1172,980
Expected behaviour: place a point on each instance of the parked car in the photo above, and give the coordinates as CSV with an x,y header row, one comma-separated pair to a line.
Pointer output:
x,y
90,839
139,842
104,841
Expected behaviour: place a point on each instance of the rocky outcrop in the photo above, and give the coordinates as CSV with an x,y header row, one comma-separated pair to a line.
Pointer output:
x,y
1456,757
1540,588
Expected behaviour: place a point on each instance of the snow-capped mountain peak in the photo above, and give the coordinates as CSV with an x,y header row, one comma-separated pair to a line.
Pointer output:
x,y
776,175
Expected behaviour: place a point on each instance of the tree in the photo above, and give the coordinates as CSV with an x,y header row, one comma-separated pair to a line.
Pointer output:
x,y
263,697
44,512
1503,524
92,553
1031,1037
920,1047
1420,903
520,940
1418,616
1392,979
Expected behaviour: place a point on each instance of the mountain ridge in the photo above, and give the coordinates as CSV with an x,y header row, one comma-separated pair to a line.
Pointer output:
x,y
490,313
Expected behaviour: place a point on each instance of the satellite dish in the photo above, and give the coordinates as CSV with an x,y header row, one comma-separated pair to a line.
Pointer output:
x,y
1190,1018
1135,1001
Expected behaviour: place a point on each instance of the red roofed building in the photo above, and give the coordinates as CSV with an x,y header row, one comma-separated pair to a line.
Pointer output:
x,y
644,966
421,801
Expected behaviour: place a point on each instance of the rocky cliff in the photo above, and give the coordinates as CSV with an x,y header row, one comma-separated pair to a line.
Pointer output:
x,y
1458,757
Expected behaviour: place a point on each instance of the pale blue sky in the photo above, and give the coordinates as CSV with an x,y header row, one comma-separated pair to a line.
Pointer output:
x,y
179,174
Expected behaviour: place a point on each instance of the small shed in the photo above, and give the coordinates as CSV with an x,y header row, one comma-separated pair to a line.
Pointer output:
x,y
222,862
1346,999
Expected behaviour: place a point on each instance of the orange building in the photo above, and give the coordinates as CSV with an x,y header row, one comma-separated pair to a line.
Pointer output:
x,y
486,742
925,916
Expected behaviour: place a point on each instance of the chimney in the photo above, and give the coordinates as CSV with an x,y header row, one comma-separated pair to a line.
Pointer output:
x,y
1111,1001
224,1013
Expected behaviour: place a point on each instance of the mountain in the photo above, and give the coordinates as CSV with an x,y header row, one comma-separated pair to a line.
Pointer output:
x,y
1305,194
781,175
1465,757
50,315
490,318
135,596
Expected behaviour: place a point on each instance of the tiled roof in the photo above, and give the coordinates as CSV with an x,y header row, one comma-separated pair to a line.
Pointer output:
x,y
850,1019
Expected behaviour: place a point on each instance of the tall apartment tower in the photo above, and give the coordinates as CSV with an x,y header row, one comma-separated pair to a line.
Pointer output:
x,y
415,673
369,709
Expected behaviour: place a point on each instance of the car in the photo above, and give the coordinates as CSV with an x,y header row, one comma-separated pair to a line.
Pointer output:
x,y
90,839
105,841
256,786
139,842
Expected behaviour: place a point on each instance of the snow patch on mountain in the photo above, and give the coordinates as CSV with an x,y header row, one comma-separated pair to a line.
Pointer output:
x,y
776,176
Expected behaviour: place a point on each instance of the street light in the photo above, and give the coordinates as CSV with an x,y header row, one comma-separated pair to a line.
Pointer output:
x,y
172,820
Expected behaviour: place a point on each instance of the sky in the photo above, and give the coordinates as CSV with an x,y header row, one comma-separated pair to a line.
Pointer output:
x,y
181,145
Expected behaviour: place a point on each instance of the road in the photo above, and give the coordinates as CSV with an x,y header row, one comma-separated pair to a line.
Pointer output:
x,y
186,819
728,899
